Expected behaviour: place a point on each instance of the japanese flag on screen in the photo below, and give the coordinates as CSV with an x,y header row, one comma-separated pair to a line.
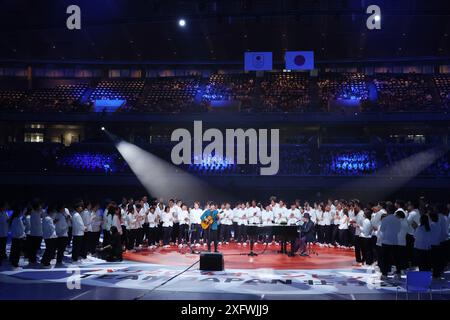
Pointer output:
x,y
299,60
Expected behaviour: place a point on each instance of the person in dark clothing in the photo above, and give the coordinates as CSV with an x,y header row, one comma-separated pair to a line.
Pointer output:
x,y
113,251
306,235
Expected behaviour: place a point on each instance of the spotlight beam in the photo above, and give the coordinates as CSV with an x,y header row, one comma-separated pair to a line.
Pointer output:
x,y
381,182
163,179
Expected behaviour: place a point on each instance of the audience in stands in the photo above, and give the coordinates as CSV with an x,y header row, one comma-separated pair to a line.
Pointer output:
x,y
274,92
408,92
347,86
295,159
285,92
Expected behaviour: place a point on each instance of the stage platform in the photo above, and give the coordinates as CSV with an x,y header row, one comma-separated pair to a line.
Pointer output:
x,y
164,274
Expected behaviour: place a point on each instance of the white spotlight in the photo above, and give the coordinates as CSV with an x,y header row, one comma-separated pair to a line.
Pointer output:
x,y
182,23
377,17
103,128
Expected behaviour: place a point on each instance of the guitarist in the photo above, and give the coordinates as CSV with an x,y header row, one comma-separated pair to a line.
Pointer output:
x,y
209,220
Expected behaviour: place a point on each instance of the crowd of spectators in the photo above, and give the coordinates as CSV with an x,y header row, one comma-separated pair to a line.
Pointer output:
x,y
344,161
442,82
285,92
11,99
169,94
295,159
237,87
273,92
92,162
347,86
128,90
60,98
409,92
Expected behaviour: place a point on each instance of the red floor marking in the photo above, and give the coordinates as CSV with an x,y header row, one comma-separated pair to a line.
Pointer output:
x,y
327,258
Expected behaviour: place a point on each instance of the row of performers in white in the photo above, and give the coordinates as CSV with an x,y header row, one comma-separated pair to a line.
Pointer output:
x,y
134,216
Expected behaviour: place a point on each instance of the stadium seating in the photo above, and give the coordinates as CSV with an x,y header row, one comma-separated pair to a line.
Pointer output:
x,y
408,92
442,83
286,92
333,86
295,160
273,92
129,90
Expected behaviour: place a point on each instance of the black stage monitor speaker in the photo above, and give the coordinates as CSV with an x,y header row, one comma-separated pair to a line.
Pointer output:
x,y
211,261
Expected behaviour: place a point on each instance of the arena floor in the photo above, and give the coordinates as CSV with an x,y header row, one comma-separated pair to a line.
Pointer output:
x,y
165,274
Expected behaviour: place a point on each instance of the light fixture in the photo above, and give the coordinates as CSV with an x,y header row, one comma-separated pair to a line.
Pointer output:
x,y
182,23
377,17
103,128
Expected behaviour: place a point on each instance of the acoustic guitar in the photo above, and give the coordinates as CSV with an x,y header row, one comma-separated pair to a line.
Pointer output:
x,y
209,220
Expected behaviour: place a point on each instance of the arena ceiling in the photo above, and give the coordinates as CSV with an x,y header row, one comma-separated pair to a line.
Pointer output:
x,y
221,30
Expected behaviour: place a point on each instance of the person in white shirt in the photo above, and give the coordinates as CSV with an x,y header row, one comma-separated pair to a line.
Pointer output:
x,y
108,215
400,255
235,222
145,204
413,218
390,228
134,224
160,207
123,221
176,211
280,213
17,237
320,224
117,221
273,202
242,224
267,219
378,212
358,224
366,237
183,220
167,224
62,232
3,231
267,216
141,216
436,248
352,225
293,215
69,222
175,225
326,219
194,217
313,218
96,225
35,231
343,229
336,215
145,224
26,219
78,229
226,223
253,213
50,238
152,219
86,216
422,244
